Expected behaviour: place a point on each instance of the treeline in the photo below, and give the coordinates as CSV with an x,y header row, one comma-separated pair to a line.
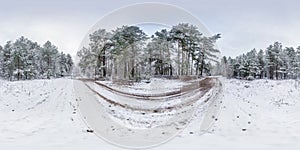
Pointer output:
x,y
275,62
128,53
26,60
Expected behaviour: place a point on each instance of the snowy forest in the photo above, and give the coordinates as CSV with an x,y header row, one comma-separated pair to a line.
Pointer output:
x,y
127,53
26,60
275,62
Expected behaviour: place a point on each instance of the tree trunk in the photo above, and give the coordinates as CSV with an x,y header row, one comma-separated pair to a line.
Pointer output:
x,y
104,63
188,59
125,70
182,60
198,64
202,65
48,69
276,71
171,70
178,58
271,72
18,75
132,61
192,67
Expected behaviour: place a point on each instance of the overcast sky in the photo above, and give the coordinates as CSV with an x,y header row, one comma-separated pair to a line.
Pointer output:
x,y
243,24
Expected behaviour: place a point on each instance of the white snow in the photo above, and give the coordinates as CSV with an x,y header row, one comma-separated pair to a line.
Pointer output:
x,y
39,115
268,112
156,86
260,114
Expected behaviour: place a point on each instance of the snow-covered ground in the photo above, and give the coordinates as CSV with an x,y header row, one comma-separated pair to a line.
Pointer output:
x,y
43,114
259,114
149,122
155,86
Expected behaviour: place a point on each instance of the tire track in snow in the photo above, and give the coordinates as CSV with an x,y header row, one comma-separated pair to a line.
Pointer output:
x,y
204,86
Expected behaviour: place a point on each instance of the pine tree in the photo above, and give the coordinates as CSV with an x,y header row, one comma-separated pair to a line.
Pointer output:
x,y
160,50
177,34
48,62
252,62
33,59
261,64
208,51
69,64
297,64
100,44
126,56
231,72
1,61
18,54
225,66
128,42
284,65
187,38
7,65
62,65
87,62
291,64
273,59
25,60
275,62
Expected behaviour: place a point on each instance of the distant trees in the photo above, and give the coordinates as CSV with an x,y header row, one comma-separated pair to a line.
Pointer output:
x,y
275,62
25,60
131,55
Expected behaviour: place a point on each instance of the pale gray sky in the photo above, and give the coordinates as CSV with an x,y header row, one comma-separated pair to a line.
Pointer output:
x,y
243,24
